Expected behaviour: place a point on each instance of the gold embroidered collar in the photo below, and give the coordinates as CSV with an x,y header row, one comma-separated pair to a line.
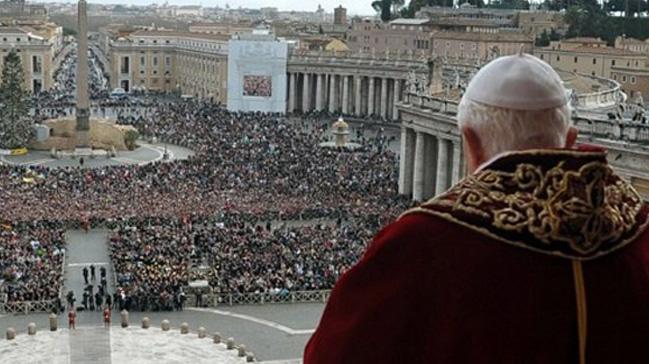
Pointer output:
x,y
567,203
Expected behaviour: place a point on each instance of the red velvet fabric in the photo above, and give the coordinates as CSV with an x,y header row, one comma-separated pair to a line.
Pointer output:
x,y
430,291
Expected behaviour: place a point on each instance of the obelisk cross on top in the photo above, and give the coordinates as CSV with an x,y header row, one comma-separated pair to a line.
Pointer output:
x,y
83,112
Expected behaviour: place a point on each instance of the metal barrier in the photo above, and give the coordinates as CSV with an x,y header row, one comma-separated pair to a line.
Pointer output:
x,y
25,307
232,299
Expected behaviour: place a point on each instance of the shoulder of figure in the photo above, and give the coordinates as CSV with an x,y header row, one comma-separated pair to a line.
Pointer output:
x,y
411,231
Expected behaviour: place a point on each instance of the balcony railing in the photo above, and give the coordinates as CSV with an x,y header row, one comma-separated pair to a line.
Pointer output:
x,y
592,128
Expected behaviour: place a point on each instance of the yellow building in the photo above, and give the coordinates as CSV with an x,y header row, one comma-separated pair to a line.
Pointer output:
x,y
37,48
221,28
479,45
589,56
170,61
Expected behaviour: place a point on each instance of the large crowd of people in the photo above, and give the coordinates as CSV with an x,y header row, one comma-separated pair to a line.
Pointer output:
x,y
31,258
209,217
248,168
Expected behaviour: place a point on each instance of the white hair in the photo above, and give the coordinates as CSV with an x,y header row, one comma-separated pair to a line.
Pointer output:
x,y
501,130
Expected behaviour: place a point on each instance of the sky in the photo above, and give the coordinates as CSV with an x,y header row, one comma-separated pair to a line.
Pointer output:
x,y
354,7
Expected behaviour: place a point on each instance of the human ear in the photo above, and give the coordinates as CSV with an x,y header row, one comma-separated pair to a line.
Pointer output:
x,y
473,150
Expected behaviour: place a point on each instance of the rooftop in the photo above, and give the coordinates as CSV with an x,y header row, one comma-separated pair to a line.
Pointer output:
x,y
173,33
404,21
480,36
589,40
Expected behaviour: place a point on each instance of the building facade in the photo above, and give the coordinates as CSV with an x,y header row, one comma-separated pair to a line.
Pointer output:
x,y
340,15
188,63
479,45
221,28
257,73
400,35
354,84
432,158
590,56
36,54
535,23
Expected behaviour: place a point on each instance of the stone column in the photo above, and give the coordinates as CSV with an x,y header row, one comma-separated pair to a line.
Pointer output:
x,y
332,93
370,97
430,163
319,92
345,100
397,91
83,102
384,98
292,92
306,94
406,161
442,165
357,93
457,163
419,168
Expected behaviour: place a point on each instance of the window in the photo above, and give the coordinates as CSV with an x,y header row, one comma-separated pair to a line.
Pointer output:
x,y
37,64
613,63
155,61
167,61
125,65
624,79
541,57
558,58
594,60
614,77
576,59
143,61
633,80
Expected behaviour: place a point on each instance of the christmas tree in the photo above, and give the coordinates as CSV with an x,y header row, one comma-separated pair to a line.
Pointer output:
x,y
16,127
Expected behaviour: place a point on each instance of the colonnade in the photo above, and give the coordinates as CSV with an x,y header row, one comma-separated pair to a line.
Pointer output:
x,y
429,164
356,95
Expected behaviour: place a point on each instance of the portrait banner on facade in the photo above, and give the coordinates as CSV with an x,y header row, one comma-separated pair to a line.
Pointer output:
x,y
257,85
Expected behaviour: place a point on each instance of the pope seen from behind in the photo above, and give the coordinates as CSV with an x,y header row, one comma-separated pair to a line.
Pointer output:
x,y
539,255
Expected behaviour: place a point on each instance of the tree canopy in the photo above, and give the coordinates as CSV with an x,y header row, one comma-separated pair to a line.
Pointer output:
x,y
388,9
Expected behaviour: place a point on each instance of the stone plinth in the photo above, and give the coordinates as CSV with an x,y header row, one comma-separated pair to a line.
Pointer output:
x,y
54,322
217,338
184,328
11,333
230,343
146,323
165,326
124,318
31,328
103,134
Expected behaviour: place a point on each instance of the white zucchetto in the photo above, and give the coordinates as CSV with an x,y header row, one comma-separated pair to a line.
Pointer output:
x,y
518,82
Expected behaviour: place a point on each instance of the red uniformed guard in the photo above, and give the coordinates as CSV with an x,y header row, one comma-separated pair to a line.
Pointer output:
x,y
540,255
107,314
72,318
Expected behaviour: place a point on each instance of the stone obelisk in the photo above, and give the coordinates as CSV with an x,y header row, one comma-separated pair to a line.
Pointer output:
x,y
83,112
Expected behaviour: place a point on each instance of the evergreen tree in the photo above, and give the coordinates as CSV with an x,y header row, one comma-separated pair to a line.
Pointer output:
x,y
16,128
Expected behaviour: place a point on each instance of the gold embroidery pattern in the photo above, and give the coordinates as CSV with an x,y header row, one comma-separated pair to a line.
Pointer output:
x,y
578,212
